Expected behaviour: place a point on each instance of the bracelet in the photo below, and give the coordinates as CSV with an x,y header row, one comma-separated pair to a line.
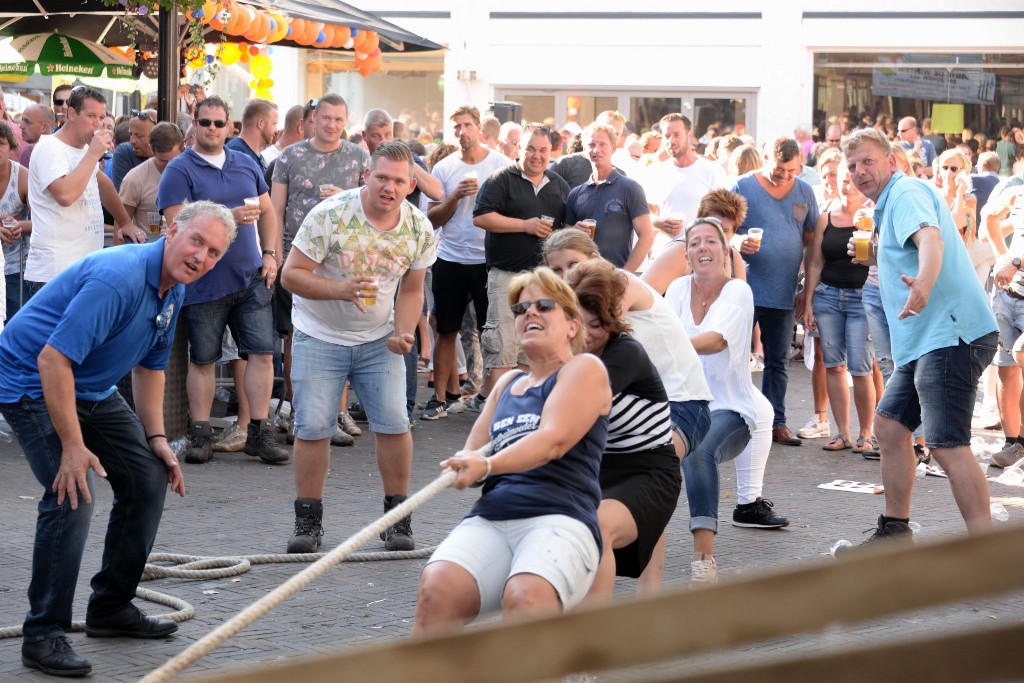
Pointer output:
x,y
270,252
155,436
487,462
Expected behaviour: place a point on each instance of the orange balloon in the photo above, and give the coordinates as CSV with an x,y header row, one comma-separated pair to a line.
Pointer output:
x,y
245,19
341,36
328,32
258,28
280,27
296,26
313,31
372,41
236,18
358,40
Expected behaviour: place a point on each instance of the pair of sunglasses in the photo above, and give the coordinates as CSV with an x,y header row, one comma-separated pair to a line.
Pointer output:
x,y
143,114
206,123
162,321
543,306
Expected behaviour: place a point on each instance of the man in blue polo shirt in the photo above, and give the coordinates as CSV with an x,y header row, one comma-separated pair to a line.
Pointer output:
x,y
617,203
108,314
237,294
943,336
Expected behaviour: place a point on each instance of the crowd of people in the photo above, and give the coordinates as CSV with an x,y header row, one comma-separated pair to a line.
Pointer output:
x,y
619,299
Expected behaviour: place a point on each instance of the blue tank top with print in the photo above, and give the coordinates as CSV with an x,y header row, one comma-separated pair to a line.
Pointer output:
x,y
567,486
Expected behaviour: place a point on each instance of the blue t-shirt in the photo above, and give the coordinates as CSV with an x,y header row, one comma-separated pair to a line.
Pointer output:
x,y
957,308
239,145
566,486
101,313
614,204
124,160
926,146
189,177
772,272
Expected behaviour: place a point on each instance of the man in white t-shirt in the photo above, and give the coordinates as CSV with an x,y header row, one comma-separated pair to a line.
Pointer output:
x,y
67,192
292,132
351,254
675,187
460,272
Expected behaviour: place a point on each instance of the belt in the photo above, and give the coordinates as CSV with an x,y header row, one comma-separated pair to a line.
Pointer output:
x,y
1013,294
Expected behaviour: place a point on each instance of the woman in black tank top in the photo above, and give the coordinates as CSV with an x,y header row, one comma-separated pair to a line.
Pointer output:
x,y
834,307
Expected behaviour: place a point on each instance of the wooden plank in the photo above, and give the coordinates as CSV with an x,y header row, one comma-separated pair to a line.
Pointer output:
x,y
965,657
874,584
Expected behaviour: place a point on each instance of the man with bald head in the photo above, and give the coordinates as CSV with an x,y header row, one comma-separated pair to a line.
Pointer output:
x,y
136,151
834,137
911,139
36,121
293,131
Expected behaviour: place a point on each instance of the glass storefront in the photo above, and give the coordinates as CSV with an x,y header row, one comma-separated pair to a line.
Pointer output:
x,y
988,88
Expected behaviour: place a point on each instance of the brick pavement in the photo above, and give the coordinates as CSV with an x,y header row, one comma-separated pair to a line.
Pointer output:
x,y
237,505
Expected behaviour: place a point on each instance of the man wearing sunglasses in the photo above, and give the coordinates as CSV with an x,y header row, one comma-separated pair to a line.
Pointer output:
x,y
238,291
910,139
60,104
108,314
136,151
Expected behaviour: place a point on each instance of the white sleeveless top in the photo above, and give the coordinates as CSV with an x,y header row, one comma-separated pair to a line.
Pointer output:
x,y
664,338
11,205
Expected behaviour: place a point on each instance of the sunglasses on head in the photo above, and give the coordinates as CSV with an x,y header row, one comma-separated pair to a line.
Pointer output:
x,y
206,123
162,321
543,306
143,115
311,105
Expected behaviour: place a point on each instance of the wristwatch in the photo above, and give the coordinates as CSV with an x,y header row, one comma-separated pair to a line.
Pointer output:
x,y
1016,262
271,252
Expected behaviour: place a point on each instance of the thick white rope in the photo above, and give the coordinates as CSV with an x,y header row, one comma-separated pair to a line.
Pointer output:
x,y
219,635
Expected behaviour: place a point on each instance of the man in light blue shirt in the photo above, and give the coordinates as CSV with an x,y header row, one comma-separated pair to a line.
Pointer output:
x,y
943,336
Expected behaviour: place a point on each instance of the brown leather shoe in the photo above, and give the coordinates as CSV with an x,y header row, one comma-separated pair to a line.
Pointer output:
x,y
785,437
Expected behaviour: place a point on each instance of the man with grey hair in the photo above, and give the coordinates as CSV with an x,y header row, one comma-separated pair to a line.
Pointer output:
x,y
36,121
943,336
508,139
490,128
108,314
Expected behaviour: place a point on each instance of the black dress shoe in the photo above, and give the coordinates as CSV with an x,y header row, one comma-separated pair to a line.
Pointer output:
x,y
128,622
54,656
785,437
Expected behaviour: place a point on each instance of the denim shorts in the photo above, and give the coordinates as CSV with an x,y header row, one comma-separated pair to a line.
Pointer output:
x,y
557,548
938,390
1009,314
843,329
249,316
319,372
691,420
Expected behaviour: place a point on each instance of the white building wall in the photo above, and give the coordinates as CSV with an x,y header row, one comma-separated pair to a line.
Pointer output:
x,y
771,56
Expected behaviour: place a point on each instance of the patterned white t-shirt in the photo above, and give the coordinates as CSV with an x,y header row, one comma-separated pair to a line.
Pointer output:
x,y
341,239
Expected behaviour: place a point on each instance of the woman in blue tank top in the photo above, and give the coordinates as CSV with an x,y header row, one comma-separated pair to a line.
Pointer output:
x,y
531,544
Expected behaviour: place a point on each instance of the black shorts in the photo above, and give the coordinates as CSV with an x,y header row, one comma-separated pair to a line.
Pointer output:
x,y
648,484
282,311
455,285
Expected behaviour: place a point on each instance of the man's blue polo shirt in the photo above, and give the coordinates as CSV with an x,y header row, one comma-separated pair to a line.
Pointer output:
x,y
190,177
101,313
614,204
957,307
240,145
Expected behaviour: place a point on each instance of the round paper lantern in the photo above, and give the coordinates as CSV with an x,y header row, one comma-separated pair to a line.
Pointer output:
x,y
260,66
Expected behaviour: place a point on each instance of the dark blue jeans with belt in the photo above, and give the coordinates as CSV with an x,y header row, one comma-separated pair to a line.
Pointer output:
x,y
113,432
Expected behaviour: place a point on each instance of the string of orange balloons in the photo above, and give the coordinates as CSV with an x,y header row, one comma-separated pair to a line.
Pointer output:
x,y
266,27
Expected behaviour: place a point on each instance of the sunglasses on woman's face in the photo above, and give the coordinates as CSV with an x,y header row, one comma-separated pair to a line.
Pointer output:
x,y
543,306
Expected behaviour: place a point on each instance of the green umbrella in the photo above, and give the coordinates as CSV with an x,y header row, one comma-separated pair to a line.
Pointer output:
x,y
59,55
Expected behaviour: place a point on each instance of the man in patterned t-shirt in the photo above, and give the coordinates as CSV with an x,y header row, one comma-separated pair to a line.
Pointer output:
x,y
305,174
350,255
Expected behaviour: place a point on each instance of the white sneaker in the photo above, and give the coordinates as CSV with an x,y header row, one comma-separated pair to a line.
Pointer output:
x,y
348,425
231,441
454,407
704,570
815,429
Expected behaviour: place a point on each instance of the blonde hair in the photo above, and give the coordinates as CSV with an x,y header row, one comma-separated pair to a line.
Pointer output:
x,y
568,238
545,279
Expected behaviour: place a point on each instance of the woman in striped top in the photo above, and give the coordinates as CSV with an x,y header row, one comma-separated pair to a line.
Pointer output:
x,y
640,479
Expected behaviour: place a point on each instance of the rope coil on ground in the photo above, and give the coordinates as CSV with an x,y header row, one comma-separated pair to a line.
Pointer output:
x,y
219,635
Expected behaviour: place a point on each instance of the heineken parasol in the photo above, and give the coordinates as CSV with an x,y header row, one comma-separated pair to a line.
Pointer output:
x,y
59,55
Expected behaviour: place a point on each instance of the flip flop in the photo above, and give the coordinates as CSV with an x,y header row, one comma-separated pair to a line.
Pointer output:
x,y
838,443
864,444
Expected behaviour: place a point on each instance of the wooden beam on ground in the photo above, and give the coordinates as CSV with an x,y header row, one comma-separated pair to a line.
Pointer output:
x,y
681,622
965,657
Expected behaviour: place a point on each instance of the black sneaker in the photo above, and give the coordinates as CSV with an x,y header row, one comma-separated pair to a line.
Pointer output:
x,y
435,410
200,443
887,530
259,442
399,536
309,528
357,413
758,515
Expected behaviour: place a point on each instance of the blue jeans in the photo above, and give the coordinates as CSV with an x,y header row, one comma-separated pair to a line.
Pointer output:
x,y
938,390
843,329
15,289
727,437
247,313
776,333
878,325
139,482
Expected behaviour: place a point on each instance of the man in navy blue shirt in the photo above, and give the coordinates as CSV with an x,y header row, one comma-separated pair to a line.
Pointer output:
x,y
108,314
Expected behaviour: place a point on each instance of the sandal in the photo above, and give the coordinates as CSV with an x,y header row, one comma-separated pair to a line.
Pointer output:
x,y
839,443
865,444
